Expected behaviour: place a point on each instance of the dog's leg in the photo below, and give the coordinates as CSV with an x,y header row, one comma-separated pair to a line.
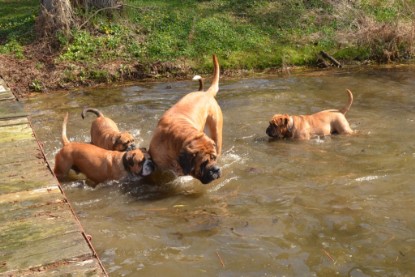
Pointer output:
x,y
215,125
62,166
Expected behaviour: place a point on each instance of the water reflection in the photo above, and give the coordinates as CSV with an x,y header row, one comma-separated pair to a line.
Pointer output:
x,y
340,205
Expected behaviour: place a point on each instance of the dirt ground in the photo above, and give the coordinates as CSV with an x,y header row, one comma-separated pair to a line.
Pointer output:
x,y
41,71
38,67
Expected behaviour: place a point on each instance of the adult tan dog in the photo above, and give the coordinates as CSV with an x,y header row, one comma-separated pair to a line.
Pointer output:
x,y
179,143
307,126
99,164
105,133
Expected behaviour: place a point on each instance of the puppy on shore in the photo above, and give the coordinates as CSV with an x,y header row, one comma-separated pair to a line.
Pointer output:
x,y
105,133
99,164
304,127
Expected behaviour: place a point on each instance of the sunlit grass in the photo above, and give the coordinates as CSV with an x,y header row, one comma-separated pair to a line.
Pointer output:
x,y
245,34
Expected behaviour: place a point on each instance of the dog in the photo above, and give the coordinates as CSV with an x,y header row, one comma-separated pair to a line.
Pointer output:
x,y
105,133
179,143
304,127
99,164
200,79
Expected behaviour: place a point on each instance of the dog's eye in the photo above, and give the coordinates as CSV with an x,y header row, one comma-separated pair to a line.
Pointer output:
x,y
213,157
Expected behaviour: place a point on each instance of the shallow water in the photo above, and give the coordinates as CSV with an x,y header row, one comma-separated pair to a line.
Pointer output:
x,y
340,205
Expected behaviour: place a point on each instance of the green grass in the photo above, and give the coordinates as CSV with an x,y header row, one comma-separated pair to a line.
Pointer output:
x,y
244,34
17,20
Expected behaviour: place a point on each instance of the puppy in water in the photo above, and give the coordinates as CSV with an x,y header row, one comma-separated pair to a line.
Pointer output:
x,y
304,127
99,164
105,133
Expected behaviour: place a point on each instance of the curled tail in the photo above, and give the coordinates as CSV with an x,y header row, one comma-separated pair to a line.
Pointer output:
x,y
349,104
65,139
200,79
214,87
95,111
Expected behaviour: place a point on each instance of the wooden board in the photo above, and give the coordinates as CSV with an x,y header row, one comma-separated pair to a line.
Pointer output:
x,y
39,233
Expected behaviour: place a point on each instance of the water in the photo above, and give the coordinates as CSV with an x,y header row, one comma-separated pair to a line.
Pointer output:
x,y
340,205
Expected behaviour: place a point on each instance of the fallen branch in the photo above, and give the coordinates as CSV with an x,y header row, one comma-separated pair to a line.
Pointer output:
x,y
119,6
220,259
333,60
328,255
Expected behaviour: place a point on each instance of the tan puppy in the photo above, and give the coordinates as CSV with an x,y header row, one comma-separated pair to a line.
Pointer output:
x,y
307,126
99,164
105,133
179,142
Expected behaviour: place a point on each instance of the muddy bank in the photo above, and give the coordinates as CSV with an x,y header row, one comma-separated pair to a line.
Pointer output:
x,y
41,71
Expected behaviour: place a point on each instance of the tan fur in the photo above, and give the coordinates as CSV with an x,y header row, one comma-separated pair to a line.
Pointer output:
x,y
304,127
105,133
96,163
179,142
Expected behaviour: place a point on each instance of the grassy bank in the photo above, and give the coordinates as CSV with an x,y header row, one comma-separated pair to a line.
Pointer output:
x,y
176,38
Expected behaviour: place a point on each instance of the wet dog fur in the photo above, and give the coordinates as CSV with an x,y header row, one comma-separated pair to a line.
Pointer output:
x,y
179,143
304,127
99,164
105,133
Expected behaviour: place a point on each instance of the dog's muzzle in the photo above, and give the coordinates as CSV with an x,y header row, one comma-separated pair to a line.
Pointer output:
x,y
131,147
148,168
210,174
270,131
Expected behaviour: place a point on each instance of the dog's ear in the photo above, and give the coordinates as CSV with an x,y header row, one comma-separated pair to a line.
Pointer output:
x,y
116,139
130,159
186,162
286,121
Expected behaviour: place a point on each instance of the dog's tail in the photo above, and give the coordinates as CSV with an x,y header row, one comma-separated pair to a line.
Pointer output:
x,y
65,139
200,79
95,111
349,104
214,87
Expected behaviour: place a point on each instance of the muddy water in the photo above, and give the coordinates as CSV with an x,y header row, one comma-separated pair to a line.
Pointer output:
x,y
342,205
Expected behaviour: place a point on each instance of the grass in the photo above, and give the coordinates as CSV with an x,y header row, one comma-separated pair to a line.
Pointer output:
x,y
17,20
250,35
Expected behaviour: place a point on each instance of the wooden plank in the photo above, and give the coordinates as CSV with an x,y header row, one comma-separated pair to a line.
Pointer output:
x,y
39,234
43,234
76,267
32,157
15,133
28,199
11,109
29,177
22,185
37,223
43,252
21,168
13,121
5,92
20,152
6,96
17,145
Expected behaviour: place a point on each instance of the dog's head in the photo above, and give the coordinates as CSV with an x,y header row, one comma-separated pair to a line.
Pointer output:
x,y
198,159
280,126
124,141
138,162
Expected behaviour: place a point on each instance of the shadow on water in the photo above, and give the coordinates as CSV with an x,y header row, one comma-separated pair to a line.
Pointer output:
x,y
339,205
